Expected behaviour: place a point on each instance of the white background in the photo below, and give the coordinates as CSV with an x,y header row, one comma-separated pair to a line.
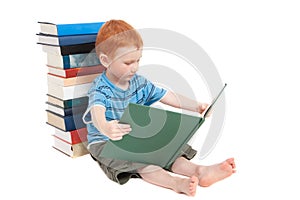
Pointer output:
x,y
254,44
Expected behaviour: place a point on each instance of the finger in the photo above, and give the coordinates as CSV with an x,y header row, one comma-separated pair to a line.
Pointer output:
x,y
116,138
121,132
123,126
204,106
114,121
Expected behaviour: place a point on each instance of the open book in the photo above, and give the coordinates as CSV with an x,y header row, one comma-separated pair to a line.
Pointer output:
x,y
157,137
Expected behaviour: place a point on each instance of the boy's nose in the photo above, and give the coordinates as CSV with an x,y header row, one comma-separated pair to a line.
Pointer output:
x,y
135,67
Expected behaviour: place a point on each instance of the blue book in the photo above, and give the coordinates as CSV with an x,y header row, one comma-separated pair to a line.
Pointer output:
x,y
66,40
65,123
70,29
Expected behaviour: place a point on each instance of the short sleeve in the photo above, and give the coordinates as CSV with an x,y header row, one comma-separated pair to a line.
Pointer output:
x,y
153,93
96,98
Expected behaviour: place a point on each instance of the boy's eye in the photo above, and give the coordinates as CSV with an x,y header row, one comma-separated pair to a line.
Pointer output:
x,y
129,63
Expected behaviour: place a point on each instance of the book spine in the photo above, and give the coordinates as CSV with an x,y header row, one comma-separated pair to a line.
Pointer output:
x,y
66,62
66,111
68,50
73,60
76,39
78,29
71,122
68,92
75,110
83,101
83,60
76,102
77,48
65,40
78,136
72,137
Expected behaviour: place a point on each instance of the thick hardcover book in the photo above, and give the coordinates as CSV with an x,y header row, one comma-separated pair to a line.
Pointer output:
x,y
82,101
72,150
66,40
71,81
68,50
158,136
68,92
72,137
74,72
65,123
72,60
65,111
70,29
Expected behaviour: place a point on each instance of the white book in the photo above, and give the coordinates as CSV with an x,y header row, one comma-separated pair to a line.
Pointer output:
x,y
72,150
64,135
68,92
62,81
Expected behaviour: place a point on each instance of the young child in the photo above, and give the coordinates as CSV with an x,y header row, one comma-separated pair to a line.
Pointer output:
x,y
119,47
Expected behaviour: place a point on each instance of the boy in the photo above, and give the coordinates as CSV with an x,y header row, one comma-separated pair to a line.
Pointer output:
x,y
119,48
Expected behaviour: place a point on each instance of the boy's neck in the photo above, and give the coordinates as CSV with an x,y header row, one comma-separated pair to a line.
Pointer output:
x,y
117,82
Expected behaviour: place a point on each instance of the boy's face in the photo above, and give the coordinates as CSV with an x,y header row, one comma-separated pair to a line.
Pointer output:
x,y
124,65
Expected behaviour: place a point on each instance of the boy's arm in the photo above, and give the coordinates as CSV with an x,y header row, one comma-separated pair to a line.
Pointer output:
x,y
111,129
180,101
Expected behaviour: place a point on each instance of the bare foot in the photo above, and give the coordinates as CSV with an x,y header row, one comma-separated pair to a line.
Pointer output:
x,y
188,186
208,175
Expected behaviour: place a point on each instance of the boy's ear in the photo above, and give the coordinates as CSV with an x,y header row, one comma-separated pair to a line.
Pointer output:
x,y
104,60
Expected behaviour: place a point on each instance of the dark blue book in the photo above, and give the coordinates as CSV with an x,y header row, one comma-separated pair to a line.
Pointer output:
x,y
66,40
65,123
70,29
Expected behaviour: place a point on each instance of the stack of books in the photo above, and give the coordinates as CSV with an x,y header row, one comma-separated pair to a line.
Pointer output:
x,y
72,66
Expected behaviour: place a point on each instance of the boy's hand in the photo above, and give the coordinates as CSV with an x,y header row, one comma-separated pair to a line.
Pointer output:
x,y
115,131
203,107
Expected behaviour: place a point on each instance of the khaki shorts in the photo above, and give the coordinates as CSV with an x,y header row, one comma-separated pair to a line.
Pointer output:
x,y
121,171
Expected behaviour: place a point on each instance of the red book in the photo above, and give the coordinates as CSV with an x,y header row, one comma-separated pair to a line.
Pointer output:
x,y
72,143
72,137
73,72
72,150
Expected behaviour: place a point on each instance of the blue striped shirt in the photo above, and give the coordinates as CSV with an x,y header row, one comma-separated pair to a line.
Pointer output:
x,y
115,100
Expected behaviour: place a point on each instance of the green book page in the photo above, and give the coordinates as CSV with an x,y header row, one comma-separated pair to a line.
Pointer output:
x,y
157,135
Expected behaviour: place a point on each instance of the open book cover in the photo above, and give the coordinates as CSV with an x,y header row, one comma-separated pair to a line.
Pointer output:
x,y
157,135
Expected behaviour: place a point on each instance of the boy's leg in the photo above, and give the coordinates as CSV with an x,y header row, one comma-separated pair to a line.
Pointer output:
x,y
207,174
158,176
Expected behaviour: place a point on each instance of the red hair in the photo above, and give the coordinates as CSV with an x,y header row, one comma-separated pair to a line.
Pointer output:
x,y
115,34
